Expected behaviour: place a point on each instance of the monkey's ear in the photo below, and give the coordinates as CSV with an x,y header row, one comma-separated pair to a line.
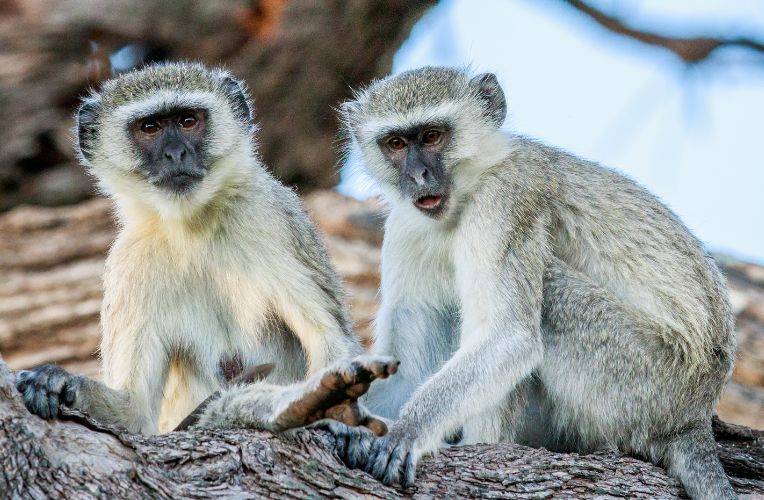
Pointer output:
x,y
237,92
86,127
489,92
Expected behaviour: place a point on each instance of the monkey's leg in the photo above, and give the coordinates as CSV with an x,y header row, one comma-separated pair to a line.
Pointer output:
x,y
615,382
331,393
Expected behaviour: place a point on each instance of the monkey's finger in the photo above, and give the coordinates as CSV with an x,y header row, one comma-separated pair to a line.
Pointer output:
x,y
348,414
333,380
379,465
336,429
53,404
69,393
392,472
387,368
341,433
358,447
356,372
367,438
357,390
40,402
376,446
369,368
28,395
409,471
23,376
22,384
56,380
353,439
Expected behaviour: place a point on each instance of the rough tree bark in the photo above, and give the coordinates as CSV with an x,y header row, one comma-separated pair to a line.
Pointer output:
x,y
300,58
80,458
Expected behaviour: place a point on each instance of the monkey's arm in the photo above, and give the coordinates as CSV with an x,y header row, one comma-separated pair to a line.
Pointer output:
x,y
313,304
500,287
134,357
132,401
47,388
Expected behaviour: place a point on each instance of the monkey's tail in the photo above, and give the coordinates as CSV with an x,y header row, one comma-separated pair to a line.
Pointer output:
x,y
692,458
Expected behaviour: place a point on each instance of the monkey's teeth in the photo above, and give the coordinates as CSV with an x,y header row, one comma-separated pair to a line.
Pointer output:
x,y
428,202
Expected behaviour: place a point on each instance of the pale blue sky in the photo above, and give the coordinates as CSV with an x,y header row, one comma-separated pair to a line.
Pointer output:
x,y
691,135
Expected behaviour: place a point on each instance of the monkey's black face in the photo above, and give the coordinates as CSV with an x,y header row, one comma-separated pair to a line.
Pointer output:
x,y
171,148
417,153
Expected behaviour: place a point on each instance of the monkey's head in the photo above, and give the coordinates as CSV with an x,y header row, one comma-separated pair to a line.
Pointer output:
x,y
168,134
426,134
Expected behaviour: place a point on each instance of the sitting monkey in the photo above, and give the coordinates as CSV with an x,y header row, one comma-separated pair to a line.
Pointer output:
x,y
216,268
531,296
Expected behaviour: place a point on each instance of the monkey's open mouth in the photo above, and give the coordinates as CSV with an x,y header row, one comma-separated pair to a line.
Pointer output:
x,y
429,202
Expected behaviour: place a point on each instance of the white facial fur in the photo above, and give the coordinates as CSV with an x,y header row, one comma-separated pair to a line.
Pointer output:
x,y
474,146
228,145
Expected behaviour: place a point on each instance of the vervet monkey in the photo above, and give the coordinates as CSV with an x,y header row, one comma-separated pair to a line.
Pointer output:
x,y
531,296
216,268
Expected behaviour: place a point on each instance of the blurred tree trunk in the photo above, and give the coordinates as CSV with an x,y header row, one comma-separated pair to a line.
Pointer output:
x,y
319,52
300,57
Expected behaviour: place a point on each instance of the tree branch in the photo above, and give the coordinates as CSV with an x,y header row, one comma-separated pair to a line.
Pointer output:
x,y
82,458
691,50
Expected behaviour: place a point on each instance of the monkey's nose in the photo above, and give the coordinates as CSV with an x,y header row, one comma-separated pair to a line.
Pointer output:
x,y
420,176
175,152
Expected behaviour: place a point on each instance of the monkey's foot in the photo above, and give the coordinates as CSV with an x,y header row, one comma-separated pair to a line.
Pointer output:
x,y
334,392
46,388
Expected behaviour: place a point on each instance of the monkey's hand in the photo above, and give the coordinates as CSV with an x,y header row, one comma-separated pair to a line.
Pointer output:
x,y
46,388
393,458
334,392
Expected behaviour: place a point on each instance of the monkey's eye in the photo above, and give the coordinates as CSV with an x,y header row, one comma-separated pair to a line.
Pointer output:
x,y
187,120
396,143
431,137
150,126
